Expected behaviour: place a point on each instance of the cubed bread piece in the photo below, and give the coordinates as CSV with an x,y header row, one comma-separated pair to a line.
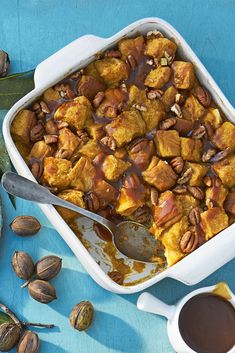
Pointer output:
x,y
75,112
187,201
213,221
141,152
21,126
128,202
168,97
40,150
183,74
157,47
198,173
131,46
106,193
112,70
88,86
126,126
192,109
73,196
229,204
213,116
191,149
114,167
90,149
225,136
183,126
57,172
171,241
153,111
67,143
96,131
217,195
157,78
160,174
168,143
114,98
51,95
91,70
168,211
225,170
82,175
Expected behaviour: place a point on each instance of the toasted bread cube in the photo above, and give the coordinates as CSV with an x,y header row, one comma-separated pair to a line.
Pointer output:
x,y
168,211
157,47
56,172
128,202
217,195
225,170
229,204
183,74
113,99
191,149
106,193
90,149
88,86
112,70
168,97
131,46
67,142
187,201
51,95
73,196
154,109
114,167
95,131
198,173
213,221
141,153
82,175
171,241
40,150
225,136
192,109
168,143
213,116
157,78
75,112
126,126
91,70
21,126
160,174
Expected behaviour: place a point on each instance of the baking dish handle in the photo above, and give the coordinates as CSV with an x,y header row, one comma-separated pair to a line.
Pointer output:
x,y
65,61
207,259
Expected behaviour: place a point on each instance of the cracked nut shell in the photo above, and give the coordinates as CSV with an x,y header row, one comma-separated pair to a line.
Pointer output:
x,y
9,336
81,316
25,225
48,267
42,291
23,265
29,343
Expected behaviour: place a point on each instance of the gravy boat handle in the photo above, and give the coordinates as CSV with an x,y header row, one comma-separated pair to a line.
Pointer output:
x,y
151,304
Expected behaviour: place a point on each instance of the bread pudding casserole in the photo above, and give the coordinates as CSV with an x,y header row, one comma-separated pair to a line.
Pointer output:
x,y
134,136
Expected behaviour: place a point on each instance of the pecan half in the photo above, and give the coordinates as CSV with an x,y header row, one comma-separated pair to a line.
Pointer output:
x,y
211,181
109,142
209,129
83,135
210,203
221,155
41,109
131,62
63,153
37,132
51,128
166,124
37,170
140,107
199,132
195,216
179,99
112,54
92,202
154,196
197,192
64,91
154,34
208,154
131,181
185,177
154,93
50,139
180,189
62,124
203,96
177,110
117,277
177,164
98,99
142,214
189,242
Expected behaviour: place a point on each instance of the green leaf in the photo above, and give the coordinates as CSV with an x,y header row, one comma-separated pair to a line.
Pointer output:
x,y
4,318
13,87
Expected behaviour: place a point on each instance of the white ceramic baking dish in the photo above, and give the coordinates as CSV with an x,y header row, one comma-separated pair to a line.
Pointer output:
x,y
79,53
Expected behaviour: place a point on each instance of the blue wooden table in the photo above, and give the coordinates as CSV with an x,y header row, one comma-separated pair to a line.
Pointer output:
x,y
31,30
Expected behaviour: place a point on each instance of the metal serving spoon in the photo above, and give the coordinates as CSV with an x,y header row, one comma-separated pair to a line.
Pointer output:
x,y
131,238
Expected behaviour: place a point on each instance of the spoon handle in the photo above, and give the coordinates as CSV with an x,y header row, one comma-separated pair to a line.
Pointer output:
x,y
26,189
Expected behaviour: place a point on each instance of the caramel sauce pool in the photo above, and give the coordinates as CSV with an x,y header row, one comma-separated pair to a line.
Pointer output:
x,y
207,324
